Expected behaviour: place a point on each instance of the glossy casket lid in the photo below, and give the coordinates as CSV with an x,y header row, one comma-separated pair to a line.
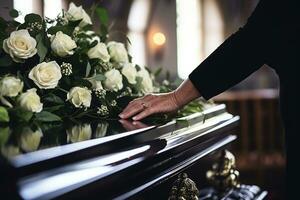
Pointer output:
x,y
45,143
111,149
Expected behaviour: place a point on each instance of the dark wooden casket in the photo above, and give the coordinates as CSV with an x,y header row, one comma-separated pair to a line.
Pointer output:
x,y
174,160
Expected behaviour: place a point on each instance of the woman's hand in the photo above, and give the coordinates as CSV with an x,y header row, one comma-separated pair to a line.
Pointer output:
x,y
150,104
161,103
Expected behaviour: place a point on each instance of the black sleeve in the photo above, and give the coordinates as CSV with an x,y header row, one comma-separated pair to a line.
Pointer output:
x,y
239,56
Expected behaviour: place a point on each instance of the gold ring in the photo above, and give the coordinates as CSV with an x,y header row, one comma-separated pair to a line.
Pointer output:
x,y
144,105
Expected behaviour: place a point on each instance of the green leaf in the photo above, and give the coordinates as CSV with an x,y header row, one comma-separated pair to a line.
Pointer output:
x,y
52,98
87,27
30,18
83,36
15,23
128,40
82,82
137,67
130,58
157,72
14,13
182,122
3,115
42,50
168,75
177,82
65,29
98,77
139,80
102,15
104,32
20,114
74,23
4,135
94,43
54,29
53,108
5,61
46,116
138,84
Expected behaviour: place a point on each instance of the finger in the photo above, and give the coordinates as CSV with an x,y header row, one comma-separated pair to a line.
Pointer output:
x,y
131,105
144,114
132,110
125,110
128,108
135,104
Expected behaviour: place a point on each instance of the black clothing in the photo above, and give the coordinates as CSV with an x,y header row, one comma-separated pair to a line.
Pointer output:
x,y
271,36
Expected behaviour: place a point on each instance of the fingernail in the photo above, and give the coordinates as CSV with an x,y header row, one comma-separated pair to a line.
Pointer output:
x,y
134,123
134,118
121,115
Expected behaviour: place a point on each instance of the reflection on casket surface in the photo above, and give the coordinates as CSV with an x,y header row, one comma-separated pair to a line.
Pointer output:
x,y
114,161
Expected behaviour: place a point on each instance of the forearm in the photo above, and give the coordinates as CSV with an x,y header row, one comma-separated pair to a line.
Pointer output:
x,y
185,93
236,58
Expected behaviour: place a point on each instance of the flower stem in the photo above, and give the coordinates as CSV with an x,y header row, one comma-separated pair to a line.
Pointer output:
x,y
61,89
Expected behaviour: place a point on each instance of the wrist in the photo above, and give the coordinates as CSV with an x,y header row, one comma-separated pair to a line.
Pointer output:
x,y
185,93
176,99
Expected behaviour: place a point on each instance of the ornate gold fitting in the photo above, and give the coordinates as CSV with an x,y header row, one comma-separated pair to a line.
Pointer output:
x,y
223,175
184,189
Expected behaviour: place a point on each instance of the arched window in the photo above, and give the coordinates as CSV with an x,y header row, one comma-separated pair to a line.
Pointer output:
x,y
213,26
50,8
24,8
137,23
199,32
189,35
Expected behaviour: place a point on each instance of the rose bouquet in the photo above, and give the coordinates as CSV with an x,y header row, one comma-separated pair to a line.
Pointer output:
x,y
51,69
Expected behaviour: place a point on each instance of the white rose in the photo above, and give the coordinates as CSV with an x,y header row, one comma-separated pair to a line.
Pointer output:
x,y
79,133
113,80
117,52
76,13
46,75
30,101
99,51
29,139
80,96
147,84
62,44
129,71
20,45
10,86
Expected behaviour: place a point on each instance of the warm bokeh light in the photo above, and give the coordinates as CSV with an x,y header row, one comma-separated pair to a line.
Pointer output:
x,y
159,39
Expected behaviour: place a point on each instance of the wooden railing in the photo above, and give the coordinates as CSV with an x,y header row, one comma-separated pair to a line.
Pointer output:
x,y
260,126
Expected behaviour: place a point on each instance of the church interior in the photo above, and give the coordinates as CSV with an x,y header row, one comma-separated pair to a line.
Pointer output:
x,y
172,37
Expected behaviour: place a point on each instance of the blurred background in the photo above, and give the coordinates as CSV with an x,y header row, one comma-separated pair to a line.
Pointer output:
x,y
177,35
